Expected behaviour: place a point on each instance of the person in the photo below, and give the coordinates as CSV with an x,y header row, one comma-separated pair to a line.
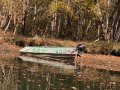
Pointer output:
x,y
81,49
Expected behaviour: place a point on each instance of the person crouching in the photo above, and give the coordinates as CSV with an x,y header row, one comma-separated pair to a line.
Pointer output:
x,y
81,49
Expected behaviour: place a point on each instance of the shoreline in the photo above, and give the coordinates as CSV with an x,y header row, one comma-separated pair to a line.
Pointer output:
x,y
97,61
101,62
8,51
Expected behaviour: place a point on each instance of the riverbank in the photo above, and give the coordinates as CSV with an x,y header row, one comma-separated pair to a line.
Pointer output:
x,y
10,46
102,62
92,47
8,51
98,61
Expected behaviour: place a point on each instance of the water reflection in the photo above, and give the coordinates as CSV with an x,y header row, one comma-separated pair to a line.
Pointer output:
x,y
19,75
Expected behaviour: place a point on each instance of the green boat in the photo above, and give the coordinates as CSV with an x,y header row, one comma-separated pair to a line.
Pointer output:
x,y
47,51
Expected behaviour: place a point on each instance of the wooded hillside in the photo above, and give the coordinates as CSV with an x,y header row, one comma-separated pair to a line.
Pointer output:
x,y
65,19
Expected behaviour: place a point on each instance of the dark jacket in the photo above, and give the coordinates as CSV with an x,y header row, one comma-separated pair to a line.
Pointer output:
x,y
80,48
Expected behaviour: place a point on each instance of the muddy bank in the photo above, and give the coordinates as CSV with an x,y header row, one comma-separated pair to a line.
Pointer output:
x,y
92,47
8,51
99,47
103,62
94,59
106,62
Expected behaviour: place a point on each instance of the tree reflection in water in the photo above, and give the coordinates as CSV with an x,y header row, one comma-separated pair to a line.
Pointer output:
x,y
18,75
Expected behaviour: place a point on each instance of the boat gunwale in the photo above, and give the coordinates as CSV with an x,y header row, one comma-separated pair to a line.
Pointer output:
x,y
49,53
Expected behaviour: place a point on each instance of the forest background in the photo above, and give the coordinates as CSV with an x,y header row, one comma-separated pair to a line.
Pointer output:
x,y
64,19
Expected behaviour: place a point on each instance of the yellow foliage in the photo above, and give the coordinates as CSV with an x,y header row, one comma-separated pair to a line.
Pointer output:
x,y
14,7
103,2
60,6
96,10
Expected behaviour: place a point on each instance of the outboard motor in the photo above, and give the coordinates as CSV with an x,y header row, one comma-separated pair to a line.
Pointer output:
x,y
81,49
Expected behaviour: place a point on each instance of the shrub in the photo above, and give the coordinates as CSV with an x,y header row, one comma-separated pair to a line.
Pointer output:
x,y
116,50
93,48
19,41
106,48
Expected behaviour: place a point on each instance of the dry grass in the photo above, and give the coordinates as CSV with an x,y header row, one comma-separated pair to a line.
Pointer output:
x,y
8,34
97,61
99,47
47,42
10,50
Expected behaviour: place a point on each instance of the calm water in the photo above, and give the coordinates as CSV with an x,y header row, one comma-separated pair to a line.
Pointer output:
x,y
19,75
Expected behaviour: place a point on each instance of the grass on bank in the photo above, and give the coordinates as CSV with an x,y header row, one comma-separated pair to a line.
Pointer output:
x,y
99,47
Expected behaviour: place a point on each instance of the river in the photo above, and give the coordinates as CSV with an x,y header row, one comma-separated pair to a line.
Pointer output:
x,y
17,74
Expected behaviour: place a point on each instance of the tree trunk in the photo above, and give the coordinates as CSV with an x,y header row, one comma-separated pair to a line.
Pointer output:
x,y
107,23
25,9
79,28
15,29
54,21
55,24
15,23
58,28
88,27
52,25
98,34
3,21
34,31
24,23
8,24
115,21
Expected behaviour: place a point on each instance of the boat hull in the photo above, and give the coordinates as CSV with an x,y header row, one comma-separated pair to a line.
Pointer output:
x,y
57,52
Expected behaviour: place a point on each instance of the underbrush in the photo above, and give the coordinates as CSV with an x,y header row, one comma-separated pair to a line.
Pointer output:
x,y
100,47
20,41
